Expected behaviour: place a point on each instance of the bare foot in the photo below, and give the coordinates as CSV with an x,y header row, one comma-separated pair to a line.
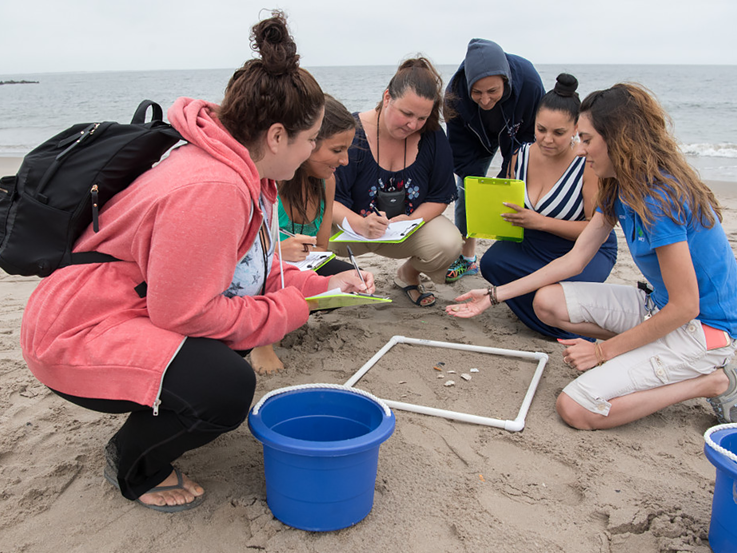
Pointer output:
x,y
178,496
265,361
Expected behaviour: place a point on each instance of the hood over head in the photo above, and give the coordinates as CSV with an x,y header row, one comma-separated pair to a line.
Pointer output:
x,y
485,58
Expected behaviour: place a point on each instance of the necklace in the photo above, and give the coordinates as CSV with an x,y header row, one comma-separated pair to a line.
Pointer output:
x,y
378,120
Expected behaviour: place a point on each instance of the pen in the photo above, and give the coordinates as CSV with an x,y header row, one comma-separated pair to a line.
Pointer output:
x,y
292,235
373,208
355,265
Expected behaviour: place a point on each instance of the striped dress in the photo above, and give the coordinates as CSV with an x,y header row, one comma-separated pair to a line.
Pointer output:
x,y
505,261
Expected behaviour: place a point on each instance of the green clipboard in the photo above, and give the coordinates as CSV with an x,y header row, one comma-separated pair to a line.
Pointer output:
x,y
340,236
484,206
333,299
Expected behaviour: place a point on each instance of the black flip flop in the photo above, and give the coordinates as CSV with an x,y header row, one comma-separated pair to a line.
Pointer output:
x,y
407,288
110,475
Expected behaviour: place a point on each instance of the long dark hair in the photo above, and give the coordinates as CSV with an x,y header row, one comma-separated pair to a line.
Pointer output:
x,y
419,75
297,191
645,157
270,89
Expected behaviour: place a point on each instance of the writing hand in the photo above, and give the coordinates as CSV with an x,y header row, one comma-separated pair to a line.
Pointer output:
x,y
374,225
293,249
349,281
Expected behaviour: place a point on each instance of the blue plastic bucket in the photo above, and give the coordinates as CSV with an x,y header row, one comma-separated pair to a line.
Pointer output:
x,y
723,527
321,452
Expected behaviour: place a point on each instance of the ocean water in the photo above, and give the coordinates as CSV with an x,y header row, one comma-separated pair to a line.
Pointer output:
x,y
700,100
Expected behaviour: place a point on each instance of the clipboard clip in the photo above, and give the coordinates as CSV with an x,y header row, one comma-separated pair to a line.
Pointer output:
x,y
408,229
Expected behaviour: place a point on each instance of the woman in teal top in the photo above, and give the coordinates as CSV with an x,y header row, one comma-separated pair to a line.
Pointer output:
x,y
306,206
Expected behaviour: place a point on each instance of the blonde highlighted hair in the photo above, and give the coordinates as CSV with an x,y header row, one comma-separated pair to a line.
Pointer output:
x,y
646,158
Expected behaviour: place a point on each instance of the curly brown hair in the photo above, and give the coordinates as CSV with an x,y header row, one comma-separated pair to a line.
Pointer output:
x,y
271,88
646,158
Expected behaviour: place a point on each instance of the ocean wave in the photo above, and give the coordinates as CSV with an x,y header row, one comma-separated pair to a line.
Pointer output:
x,y
710,150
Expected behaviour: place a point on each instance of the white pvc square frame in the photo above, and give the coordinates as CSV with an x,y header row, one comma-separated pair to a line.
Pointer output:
x,y
514,425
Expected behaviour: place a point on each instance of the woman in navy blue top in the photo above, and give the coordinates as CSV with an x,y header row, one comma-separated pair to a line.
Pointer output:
x,y
560,197
401,168
658,345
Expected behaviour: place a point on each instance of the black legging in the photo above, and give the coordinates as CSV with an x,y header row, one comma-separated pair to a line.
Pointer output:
x,y
333,267
207,391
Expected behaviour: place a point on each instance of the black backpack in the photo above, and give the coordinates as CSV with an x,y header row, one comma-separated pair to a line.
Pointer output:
x,y
63,183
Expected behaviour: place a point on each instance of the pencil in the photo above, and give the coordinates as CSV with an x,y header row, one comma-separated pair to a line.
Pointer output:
x,y
307,246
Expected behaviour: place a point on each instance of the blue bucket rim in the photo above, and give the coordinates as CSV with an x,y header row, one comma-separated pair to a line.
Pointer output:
x,y
717,458
351,446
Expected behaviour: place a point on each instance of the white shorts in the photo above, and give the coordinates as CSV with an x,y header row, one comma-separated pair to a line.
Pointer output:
x,y
678,356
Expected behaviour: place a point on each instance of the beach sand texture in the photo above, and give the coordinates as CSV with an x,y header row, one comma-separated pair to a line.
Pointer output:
x,y
442,486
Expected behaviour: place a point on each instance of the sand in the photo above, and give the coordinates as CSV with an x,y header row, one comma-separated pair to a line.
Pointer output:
x,y
442,486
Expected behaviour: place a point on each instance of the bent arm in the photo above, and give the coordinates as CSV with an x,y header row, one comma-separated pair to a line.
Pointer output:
x,y
680,280
564,267
571,230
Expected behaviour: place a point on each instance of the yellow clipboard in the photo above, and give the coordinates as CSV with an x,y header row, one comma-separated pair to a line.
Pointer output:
x,y
484,206
335,298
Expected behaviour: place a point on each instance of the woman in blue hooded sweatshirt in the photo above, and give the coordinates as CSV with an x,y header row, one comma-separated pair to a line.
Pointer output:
x,y
490,105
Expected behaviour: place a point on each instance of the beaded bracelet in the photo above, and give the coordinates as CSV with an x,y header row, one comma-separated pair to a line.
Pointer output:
x,y
491,292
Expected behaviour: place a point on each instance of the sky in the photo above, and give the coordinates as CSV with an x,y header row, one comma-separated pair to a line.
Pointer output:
x,y
40,36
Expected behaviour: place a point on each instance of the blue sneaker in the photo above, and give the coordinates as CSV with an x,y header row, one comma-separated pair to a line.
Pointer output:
x,y
460,268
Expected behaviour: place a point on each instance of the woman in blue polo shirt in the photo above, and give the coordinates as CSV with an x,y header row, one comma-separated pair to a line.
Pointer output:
x,y
656,348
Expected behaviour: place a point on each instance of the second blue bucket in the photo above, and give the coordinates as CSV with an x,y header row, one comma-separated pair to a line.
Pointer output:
x,y
321,452
723,527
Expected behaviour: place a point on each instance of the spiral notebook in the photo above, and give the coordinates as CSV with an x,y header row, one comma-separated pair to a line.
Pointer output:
x,y
484,207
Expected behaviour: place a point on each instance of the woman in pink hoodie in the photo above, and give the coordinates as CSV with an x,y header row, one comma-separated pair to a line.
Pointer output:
x,y
196,230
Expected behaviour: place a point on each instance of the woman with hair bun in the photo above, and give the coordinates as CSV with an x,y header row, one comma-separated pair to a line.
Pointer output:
x,y
659,344
560,197
401,167
157,333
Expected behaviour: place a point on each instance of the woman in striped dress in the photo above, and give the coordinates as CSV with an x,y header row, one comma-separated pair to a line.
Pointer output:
x,y
560,197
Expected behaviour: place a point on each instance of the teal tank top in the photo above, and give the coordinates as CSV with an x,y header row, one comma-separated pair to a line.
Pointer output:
x,y
308,229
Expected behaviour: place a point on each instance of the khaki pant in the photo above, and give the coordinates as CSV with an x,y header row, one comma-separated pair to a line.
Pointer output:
x,y
430,249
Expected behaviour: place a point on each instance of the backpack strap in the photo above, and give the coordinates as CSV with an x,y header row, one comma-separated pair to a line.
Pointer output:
x,y
139,117
84,258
